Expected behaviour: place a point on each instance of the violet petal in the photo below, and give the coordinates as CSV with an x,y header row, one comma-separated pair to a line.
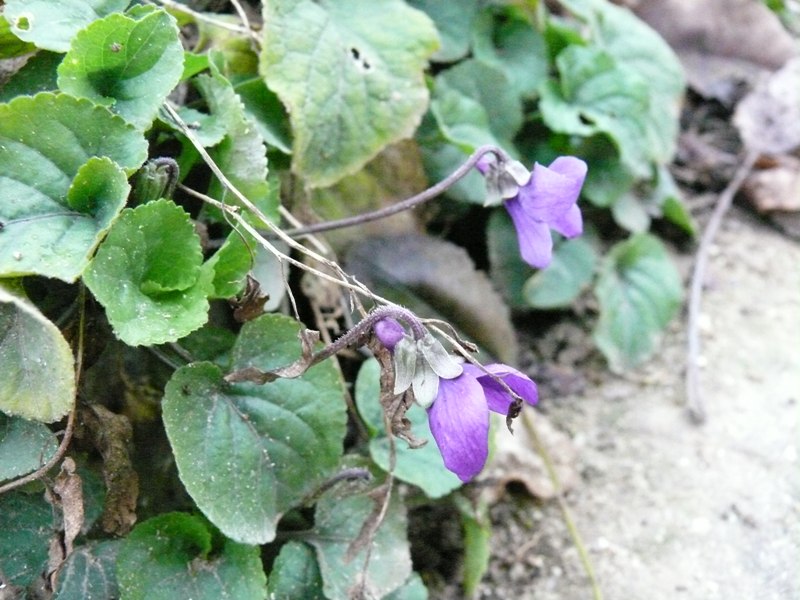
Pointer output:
x,y
552,190
497,398
459,422
535,241
570,224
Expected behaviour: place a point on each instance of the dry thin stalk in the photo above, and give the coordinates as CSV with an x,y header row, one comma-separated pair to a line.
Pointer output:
x,y
694,399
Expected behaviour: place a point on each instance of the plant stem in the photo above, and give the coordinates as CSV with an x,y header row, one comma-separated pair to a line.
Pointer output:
x,y
694,399
408,203
365,324
574,534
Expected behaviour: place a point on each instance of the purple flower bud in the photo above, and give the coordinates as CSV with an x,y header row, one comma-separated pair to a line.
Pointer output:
x,y
389,332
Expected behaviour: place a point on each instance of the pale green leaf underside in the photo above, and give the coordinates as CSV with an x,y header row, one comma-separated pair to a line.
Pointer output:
x,y
37,377
89,573
267,446
52,25
338,519
351,75
130,65
147,275
561,283
171,556
639,291
24,446
63,168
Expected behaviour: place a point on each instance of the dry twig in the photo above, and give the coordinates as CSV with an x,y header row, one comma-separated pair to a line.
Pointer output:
x,y
694,400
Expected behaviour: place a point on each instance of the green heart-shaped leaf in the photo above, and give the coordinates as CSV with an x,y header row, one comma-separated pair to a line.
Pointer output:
x,y
176,555
63,168
351,76
339,518
248,453
89,573
37,377
129,64
147,275
639,291
24,446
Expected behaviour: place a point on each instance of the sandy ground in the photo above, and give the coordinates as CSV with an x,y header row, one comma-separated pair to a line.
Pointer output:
x,y
669,509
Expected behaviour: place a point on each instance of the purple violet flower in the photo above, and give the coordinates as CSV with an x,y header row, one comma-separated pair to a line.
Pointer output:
x,y
459,417
547,201
459,413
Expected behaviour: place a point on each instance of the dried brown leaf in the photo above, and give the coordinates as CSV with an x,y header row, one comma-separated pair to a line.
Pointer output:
x,y
68,487
516,459
436,279
768,118
777,188
111,434
251,303
308,339
721,43
394,406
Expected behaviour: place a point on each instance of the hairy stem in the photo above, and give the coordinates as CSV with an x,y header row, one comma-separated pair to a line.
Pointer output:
x,y
408,203
364,325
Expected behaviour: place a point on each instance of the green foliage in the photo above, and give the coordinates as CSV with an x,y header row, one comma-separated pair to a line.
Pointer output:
x,y
453,21
323,100
567,276
53,27
514,47
350,74
241,153
89,573
176,555
37,380
10,44
147,275
61,162
339,518
129,64
26,521
595,95
477,538
295,574
268,446
639,291
24,446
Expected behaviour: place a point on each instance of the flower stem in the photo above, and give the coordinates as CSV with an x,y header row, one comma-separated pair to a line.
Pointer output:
x,y
408,203
365,324
597,593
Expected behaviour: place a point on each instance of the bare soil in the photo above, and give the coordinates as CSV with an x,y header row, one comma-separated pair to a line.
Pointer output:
x,y
669,509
